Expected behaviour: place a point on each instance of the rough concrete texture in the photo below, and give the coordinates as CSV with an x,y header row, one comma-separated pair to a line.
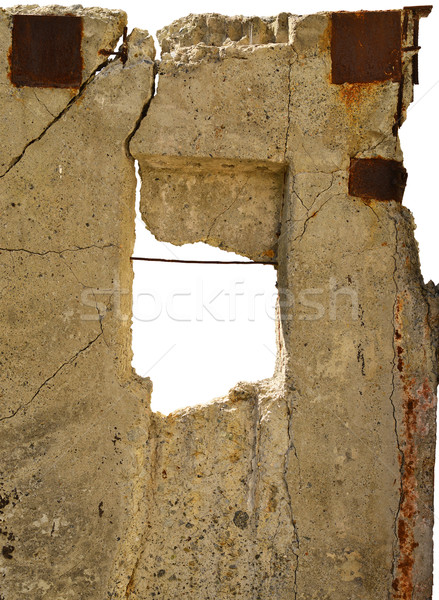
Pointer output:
x,y
315,484
74,418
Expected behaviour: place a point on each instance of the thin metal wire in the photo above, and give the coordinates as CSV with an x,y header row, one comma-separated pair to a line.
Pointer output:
x,y
205,262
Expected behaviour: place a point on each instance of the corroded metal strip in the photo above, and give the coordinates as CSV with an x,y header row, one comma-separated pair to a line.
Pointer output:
x,y
421,11
366,47
377,179
122,53
46,51
418,13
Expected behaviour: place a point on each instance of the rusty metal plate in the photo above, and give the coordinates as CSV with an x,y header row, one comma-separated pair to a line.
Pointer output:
x,y
377,179
46,51
366,47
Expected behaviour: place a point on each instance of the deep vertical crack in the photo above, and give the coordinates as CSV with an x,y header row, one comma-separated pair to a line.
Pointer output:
x,y
139,120
155,457
254,455
290,66
253,477
391,398
295,546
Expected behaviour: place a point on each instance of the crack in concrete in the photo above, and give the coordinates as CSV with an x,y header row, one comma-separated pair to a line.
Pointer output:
x,y
293,223
155,457
142,115
322,192
67,362
58,252
254,455
71,102
236,199
307,208
391,398
290,66
371,208
101,315
291,448
42,103
314,214
385,137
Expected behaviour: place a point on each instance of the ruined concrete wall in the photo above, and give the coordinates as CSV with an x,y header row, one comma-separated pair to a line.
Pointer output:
x,y
262,138
74,419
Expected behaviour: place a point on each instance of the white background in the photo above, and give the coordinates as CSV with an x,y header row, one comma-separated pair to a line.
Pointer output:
x,y
219,329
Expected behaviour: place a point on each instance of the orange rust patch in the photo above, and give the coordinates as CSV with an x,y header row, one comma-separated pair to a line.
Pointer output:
x,y
10,63
403,581
428,401
269,253
325,41
130,587
415,403
408,509
235,456
353,94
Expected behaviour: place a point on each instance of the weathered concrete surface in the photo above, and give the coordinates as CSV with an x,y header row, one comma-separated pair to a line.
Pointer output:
x,y
334,478
28,111
74,419
316,483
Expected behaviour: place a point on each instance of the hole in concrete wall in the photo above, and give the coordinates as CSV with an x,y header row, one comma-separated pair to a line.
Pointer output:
x,y
199,329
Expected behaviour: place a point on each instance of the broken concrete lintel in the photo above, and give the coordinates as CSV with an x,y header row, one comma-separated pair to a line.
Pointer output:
x,y
261,118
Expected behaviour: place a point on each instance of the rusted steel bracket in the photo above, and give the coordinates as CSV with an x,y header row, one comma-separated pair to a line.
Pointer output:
x,y
377,179
46,51
122,53
415,12
418,12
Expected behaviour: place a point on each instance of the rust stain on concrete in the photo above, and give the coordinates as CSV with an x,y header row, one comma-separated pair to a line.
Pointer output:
x,y
417,400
